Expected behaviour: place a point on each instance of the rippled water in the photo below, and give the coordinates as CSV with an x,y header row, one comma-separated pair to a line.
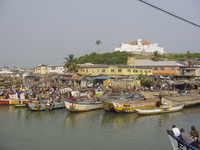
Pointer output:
x,y
21,129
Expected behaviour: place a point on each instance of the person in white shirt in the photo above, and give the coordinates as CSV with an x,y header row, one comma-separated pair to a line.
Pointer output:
x,y
175,130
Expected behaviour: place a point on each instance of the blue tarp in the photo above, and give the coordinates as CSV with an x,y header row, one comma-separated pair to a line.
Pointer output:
x,y
104,77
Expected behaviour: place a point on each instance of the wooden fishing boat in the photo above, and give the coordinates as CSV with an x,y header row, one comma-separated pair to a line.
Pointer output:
x,y
158,110
187,99
129,106
80,106
179,144
107,101
15,102
35,106
20,105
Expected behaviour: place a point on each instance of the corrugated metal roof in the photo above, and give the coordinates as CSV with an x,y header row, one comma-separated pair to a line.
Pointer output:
x,y
158,63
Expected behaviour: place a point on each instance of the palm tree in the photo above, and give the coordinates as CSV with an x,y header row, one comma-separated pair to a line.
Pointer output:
x,y
97,43
71,64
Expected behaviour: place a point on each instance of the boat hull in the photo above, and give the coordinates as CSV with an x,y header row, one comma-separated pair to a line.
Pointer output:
x,y
20,105
159,110
187,100
75,106
107,105
44,107
131,106
15,102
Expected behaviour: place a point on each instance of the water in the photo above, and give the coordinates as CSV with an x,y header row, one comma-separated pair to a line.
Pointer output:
x,y
21,129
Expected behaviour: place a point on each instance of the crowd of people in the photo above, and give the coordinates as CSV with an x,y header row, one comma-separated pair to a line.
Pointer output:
x,y
191,137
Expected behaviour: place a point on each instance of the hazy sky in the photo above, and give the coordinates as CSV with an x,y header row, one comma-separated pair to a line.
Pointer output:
x,y
34,32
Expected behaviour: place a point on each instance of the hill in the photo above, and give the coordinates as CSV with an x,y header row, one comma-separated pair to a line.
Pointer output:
x,y
118,57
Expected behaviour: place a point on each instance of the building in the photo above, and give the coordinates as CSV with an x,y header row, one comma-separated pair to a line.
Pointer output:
x,y
140,47
55,69
41,69
49,69
190,73
113,70
161,67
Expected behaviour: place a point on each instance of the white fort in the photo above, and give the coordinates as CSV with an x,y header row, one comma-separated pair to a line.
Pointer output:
x,y
140,46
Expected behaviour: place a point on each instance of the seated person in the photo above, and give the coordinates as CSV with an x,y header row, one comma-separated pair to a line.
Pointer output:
x,y
185,136
175,130
194,133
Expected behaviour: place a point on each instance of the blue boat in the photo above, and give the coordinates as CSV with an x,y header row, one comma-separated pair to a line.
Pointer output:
x,y
179,144
35,106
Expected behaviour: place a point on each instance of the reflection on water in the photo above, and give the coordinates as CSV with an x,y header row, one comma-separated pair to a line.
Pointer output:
x,y
115,118
92,130
80,117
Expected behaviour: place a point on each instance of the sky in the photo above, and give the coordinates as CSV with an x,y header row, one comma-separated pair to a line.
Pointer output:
x,y
34,32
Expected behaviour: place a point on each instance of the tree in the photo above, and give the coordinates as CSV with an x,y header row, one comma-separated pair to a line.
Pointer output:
x,y
71,64
97,43
156,56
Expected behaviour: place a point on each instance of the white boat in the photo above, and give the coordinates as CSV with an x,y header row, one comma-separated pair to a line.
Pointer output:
x,y
85,105
158,110
179,144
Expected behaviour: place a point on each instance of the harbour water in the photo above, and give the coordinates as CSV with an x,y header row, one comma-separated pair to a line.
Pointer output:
x,y
21,129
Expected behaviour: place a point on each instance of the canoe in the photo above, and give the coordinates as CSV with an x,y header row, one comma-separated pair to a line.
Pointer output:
x,y
20,105
130,106
179,144
14,102
80,106
35,106
107,101
187,100
158,110
18,102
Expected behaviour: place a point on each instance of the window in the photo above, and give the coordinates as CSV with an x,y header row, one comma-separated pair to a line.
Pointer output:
x,y
155,68
161,68
119,70
86,70
103,70
112,70
135,71
172,68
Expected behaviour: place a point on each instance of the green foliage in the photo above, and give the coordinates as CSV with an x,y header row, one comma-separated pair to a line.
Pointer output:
x,y
172,56
144,81
106,58
156,56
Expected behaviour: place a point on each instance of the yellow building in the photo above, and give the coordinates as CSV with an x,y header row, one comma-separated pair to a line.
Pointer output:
x,y
113,70
41,69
